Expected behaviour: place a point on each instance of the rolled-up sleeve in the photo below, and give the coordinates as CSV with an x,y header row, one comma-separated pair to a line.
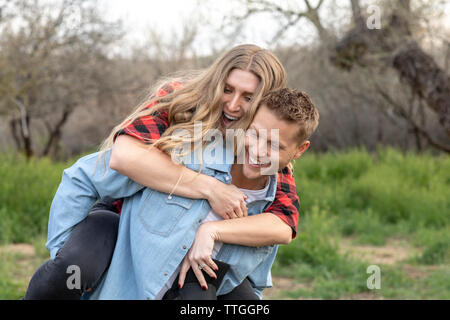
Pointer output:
x,y
151,127
286,204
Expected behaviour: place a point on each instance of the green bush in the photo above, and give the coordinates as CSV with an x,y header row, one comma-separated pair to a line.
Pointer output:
x,y
312,247
366,224
436,253
369,197
375,194
26,192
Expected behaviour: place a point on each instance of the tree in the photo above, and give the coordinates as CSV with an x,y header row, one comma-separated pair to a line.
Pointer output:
x,y
393,46
48,55
418,69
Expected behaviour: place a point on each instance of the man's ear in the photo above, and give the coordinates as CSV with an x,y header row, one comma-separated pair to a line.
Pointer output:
x,y
302,148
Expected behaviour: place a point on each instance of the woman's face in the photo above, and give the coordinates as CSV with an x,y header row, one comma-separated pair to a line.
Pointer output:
x,y
237,96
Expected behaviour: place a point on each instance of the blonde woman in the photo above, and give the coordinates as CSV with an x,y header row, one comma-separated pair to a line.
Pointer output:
x,y
224,96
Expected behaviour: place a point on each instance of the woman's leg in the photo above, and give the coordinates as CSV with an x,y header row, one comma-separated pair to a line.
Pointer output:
x,y
192,290
89,248
242,292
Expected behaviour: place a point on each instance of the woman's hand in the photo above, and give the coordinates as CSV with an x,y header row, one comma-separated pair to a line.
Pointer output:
x,y
200,255
227,200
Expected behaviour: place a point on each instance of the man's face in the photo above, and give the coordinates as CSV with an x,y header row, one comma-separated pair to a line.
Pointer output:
x,y
239,88
266,151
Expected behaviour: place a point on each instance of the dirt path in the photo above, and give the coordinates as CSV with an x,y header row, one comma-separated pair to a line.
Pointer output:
x,y
393,252
21,248
281,285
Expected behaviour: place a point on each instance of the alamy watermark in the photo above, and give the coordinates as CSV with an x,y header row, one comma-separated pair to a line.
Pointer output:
x,y
74,280
374,280
374,19
259,147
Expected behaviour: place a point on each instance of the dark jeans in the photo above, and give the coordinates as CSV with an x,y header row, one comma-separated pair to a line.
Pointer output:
x,y
193,291
90,247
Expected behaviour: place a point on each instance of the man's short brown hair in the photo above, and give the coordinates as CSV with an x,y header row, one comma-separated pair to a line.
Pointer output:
x,y
296,106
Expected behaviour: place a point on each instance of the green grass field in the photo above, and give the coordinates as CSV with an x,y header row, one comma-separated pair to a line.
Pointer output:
x,y
358,209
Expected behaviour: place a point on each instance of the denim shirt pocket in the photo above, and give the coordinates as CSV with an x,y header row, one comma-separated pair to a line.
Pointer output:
x,y
159,213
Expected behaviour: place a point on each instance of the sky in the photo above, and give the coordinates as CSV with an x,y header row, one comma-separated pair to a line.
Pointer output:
x,y
141,14
168,16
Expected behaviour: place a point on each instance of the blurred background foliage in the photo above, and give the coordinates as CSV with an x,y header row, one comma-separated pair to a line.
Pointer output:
x,y
65,67
374,186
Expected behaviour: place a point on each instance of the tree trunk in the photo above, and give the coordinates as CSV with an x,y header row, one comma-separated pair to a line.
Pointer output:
x,y
358,19
24,126
426,80
26,137
13,126
415,67
55,134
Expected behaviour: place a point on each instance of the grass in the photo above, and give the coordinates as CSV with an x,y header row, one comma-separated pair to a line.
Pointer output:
x,y
27,189
370,199
350,200
18,266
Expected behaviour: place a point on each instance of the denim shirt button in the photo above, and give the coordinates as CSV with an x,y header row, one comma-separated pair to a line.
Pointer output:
x,y
165,273
184,247
227,178
169,197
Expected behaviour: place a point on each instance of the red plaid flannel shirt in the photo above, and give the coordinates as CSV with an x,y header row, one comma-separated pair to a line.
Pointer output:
x,y
286,204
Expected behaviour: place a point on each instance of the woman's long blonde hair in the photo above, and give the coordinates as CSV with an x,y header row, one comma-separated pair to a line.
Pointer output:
x,y
198,98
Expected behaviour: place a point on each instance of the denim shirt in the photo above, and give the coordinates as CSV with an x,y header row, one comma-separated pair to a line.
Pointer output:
x,y
155,230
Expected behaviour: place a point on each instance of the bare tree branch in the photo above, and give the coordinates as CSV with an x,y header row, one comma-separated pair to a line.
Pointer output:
x,y
398,108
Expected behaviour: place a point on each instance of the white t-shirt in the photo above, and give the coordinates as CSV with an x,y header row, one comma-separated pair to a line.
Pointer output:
x,y
252,195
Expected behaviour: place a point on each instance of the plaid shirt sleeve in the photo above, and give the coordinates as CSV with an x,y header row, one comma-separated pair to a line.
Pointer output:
x,y
286,204
147,128
150,128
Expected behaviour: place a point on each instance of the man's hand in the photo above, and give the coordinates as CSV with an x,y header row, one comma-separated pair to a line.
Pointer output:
x,y
227,200
200,255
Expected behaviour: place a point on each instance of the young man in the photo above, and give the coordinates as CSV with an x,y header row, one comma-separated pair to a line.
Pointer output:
x,y
293,116
156,230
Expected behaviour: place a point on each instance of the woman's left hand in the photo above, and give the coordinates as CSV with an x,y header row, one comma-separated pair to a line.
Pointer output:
x,y
199,256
